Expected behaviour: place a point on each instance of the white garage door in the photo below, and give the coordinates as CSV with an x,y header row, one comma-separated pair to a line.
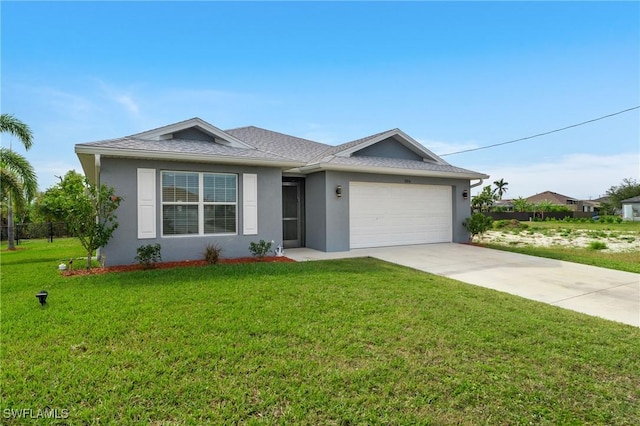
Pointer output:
x,y
388,214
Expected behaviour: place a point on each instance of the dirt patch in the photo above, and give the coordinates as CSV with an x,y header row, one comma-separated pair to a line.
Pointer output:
x,y
616,242
171,265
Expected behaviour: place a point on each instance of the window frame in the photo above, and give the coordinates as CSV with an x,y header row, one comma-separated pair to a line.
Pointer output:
x,y
200,203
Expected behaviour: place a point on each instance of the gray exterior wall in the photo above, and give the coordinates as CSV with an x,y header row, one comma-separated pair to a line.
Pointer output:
x,y
388,148
122,175
192,134
328,215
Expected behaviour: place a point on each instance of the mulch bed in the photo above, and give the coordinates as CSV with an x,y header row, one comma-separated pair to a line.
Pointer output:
x,y
171,265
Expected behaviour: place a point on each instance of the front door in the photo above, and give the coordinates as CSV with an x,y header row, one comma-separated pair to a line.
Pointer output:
x,y
292,212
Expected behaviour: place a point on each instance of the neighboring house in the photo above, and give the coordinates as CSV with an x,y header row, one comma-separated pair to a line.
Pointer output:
x,y
590,206
190,184
631,208
571,203
503,205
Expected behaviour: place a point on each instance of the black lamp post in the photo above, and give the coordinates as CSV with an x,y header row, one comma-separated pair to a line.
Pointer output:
x,y
42,297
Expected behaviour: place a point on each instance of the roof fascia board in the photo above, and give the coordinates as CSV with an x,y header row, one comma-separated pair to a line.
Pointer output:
x,y
220,135
405,140
200,158
318,167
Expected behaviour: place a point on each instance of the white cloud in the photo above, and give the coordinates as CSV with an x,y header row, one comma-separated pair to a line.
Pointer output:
x,y
582,176
64,104
129,104
121,96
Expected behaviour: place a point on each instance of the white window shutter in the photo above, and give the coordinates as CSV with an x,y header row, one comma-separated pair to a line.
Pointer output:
x,y
146,203
249,204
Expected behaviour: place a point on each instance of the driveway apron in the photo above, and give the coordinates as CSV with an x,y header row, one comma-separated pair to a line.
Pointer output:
x,y
606,293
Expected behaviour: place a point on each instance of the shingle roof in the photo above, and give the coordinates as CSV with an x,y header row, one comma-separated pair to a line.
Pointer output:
x,y
551,196
632,200
279,143
272,147
395,163
181,146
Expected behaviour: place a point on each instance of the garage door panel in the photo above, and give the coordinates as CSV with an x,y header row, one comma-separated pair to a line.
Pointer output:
x,y
396,214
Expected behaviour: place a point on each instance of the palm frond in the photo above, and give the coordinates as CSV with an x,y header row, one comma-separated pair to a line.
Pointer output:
x,y
10,186
10,124
16,164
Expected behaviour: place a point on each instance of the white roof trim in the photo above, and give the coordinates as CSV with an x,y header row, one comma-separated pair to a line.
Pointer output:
x,y
184,156
317,167
220,136
404,139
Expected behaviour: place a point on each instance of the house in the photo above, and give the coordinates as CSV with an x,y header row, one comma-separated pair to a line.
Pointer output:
x,y
571,203
190,184
631,208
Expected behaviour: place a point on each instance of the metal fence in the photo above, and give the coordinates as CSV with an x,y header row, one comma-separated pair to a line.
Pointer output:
x,y
25,231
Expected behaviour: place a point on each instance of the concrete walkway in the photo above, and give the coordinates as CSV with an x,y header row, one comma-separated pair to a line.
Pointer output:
x,y
614,295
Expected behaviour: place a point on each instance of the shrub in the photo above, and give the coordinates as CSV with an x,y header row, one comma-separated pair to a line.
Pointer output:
x,y
597,245
510,223
149,255
477,224
260,249
212,253
498,224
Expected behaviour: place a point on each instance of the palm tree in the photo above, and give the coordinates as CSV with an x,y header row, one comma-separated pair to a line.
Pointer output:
x,y
520,204
501,188
17,177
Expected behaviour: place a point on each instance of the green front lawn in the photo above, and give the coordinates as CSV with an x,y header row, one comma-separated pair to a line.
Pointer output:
x,y
626,261
345,342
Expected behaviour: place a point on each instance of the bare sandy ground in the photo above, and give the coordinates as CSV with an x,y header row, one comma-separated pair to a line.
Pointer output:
x,y
616,241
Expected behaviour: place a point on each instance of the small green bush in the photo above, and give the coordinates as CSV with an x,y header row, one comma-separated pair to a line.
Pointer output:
x,y
477,224
498,224
509,223
597,245
148,255
212,253
260,249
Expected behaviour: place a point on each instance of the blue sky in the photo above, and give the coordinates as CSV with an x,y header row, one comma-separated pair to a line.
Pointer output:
x,y
452,75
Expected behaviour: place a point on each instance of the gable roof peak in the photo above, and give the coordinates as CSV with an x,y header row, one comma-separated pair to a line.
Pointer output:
x,y
349,148
166,132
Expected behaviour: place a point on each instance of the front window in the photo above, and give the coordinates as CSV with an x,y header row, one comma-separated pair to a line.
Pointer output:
x,y
199,203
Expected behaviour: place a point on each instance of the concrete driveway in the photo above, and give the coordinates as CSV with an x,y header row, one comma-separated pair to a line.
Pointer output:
x,y
605,293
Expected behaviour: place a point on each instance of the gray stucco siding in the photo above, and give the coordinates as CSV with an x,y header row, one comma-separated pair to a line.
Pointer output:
x,y
122,175
192,134
336,229
388,148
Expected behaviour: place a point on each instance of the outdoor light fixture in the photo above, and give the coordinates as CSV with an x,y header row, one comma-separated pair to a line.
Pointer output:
x,y
42,297
465,194
339,191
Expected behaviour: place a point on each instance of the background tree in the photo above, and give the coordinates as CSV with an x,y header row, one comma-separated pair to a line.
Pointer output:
x,y
521,204
629,188
484,200
18,185
543,207
88,210
53,205
17,173
501,188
